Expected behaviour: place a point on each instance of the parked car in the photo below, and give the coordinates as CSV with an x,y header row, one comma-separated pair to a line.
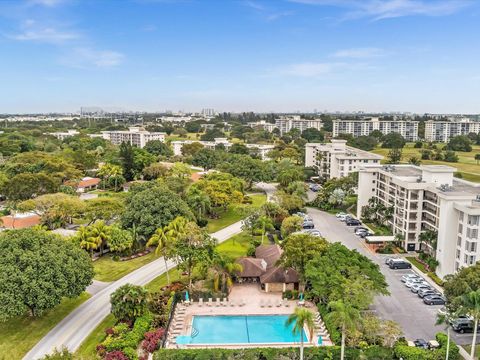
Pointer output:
x,y
407,277
426,292
315,187
344,217
313,232
409,283
434,300
420,343
360,228
308,225
365,234
389,259
402,264
422,286
463,325
339,214
301,214
352,222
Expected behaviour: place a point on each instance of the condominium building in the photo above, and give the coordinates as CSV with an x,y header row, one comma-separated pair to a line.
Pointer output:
x,y
63,135
289,122
336,159
442,131
261,150
136,136
263,125
427,198
364,127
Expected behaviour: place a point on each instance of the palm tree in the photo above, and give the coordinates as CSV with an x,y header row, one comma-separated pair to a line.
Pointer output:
x,y
265,223
224,270
345,317
337,197
470,304
198,201
445,319
100,233
115,172
162,239
300,319
86,241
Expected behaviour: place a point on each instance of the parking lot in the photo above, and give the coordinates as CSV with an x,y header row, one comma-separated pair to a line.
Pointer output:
x,y
416,319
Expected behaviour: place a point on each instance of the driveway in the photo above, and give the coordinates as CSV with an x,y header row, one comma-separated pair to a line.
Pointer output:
x,y
76,326
416,319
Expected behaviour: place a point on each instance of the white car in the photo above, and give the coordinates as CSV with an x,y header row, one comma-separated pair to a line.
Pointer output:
x,y
340,214
412,282
344,217
415,287
407,277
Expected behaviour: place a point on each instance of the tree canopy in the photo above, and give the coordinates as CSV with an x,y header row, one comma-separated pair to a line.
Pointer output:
x,y
37,270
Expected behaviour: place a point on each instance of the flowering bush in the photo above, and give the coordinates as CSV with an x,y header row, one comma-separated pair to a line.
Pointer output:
x,y
116,355
152,340
101,350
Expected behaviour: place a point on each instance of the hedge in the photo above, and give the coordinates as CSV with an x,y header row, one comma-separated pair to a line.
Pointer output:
x,y
413,353
130,339
311,353
335,335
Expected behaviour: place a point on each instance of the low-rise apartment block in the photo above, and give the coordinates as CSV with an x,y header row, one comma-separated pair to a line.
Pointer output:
x,y
61,135
442,131
427,198
364,127
336,159
261,150
289,122
136,136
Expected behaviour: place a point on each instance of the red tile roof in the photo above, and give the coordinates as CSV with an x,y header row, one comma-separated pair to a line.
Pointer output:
x,y
88,182
20,222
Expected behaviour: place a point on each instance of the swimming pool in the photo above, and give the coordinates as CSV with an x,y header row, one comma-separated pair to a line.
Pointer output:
x,y
250,329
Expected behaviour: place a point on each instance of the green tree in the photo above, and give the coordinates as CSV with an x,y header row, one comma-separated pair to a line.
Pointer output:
x,y
129,302
25,186
103,208
460,143
206,158
477,158
155,171
394,156
345,317
224,269
238,148
291,224
312,135
470,304
198,201
38,269
246,168
414,160
299,249
337,197
119,240
211,134
300,319
128,161
264,224
191,149
110,171
450,156
393,140
158,148
152,206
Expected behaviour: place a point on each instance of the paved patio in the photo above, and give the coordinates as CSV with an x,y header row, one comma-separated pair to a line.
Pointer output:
x,y
244,299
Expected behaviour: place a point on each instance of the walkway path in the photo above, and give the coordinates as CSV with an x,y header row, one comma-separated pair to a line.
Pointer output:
x,y
74,328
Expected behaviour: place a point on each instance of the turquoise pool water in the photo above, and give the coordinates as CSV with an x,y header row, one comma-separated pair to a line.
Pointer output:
x,y
258,329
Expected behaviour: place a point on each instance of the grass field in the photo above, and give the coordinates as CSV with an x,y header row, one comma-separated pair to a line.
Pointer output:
x,y
466,164
469,347
19,335
108,270
232,215
87,350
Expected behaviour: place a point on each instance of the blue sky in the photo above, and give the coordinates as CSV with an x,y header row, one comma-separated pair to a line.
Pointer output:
x,y
277,55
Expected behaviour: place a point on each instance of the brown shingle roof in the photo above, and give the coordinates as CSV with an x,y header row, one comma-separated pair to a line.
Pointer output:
x,y
271,254
251,267
279,274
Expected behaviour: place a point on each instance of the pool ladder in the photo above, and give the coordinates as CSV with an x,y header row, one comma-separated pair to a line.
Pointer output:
x,y
194,332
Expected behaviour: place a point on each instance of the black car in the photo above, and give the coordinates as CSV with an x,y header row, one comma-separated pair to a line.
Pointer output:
x,y
463,325
308,225
353,222
434,300
364,234
420,343
399,265
363,228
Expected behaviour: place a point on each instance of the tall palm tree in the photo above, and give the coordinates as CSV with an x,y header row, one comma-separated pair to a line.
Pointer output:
x,y
115,172
300,319
265,223
345,317
445,319
100,232
470,304
224,270
198,201
86,241
162,239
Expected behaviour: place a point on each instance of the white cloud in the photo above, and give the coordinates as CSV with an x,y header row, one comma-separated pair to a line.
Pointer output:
x,y
309,69
359,53
47,35
88,57
266,12
384,9
48,3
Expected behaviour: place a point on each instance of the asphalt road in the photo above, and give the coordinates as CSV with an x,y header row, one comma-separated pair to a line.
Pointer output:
x,y
74,328
416,319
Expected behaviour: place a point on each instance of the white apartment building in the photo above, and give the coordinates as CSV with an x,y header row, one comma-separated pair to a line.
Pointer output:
x,y
408,129
63,135
442,131
336,159
289,122
261,150
136,136
263,125
427,198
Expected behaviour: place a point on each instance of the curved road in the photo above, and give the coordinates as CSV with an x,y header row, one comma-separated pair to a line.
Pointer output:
x,y
74,328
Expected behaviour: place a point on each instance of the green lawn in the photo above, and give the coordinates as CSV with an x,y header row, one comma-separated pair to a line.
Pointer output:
x,y
379,230
417,263
108,270
19,335
469,347
88,348
466,165
232,214
238,245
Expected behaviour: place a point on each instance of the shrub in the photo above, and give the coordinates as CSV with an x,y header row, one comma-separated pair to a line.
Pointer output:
x,y
152,340
129,339
335,335
116,355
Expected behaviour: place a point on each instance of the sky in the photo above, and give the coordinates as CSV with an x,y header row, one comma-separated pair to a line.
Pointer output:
x,y
240,55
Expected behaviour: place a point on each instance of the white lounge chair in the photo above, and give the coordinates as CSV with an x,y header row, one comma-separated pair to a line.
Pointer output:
x,y
269,303
262,303
224,302
232,303
200,302
210,302
242,302
279,303
217,303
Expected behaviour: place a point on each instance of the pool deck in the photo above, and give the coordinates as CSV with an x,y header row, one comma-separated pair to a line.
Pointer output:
x,y
247,299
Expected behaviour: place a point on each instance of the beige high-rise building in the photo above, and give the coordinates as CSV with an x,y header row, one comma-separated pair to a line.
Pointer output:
x,y
136,136
442,131
364,127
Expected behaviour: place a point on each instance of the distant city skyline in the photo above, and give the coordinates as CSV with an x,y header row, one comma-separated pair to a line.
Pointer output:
x,y
416,56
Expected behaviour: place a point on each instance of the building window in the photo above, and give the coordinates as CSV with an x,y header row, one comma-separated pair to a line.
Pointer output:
x,y
460,216
472,219
458,254
460,228
459,241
